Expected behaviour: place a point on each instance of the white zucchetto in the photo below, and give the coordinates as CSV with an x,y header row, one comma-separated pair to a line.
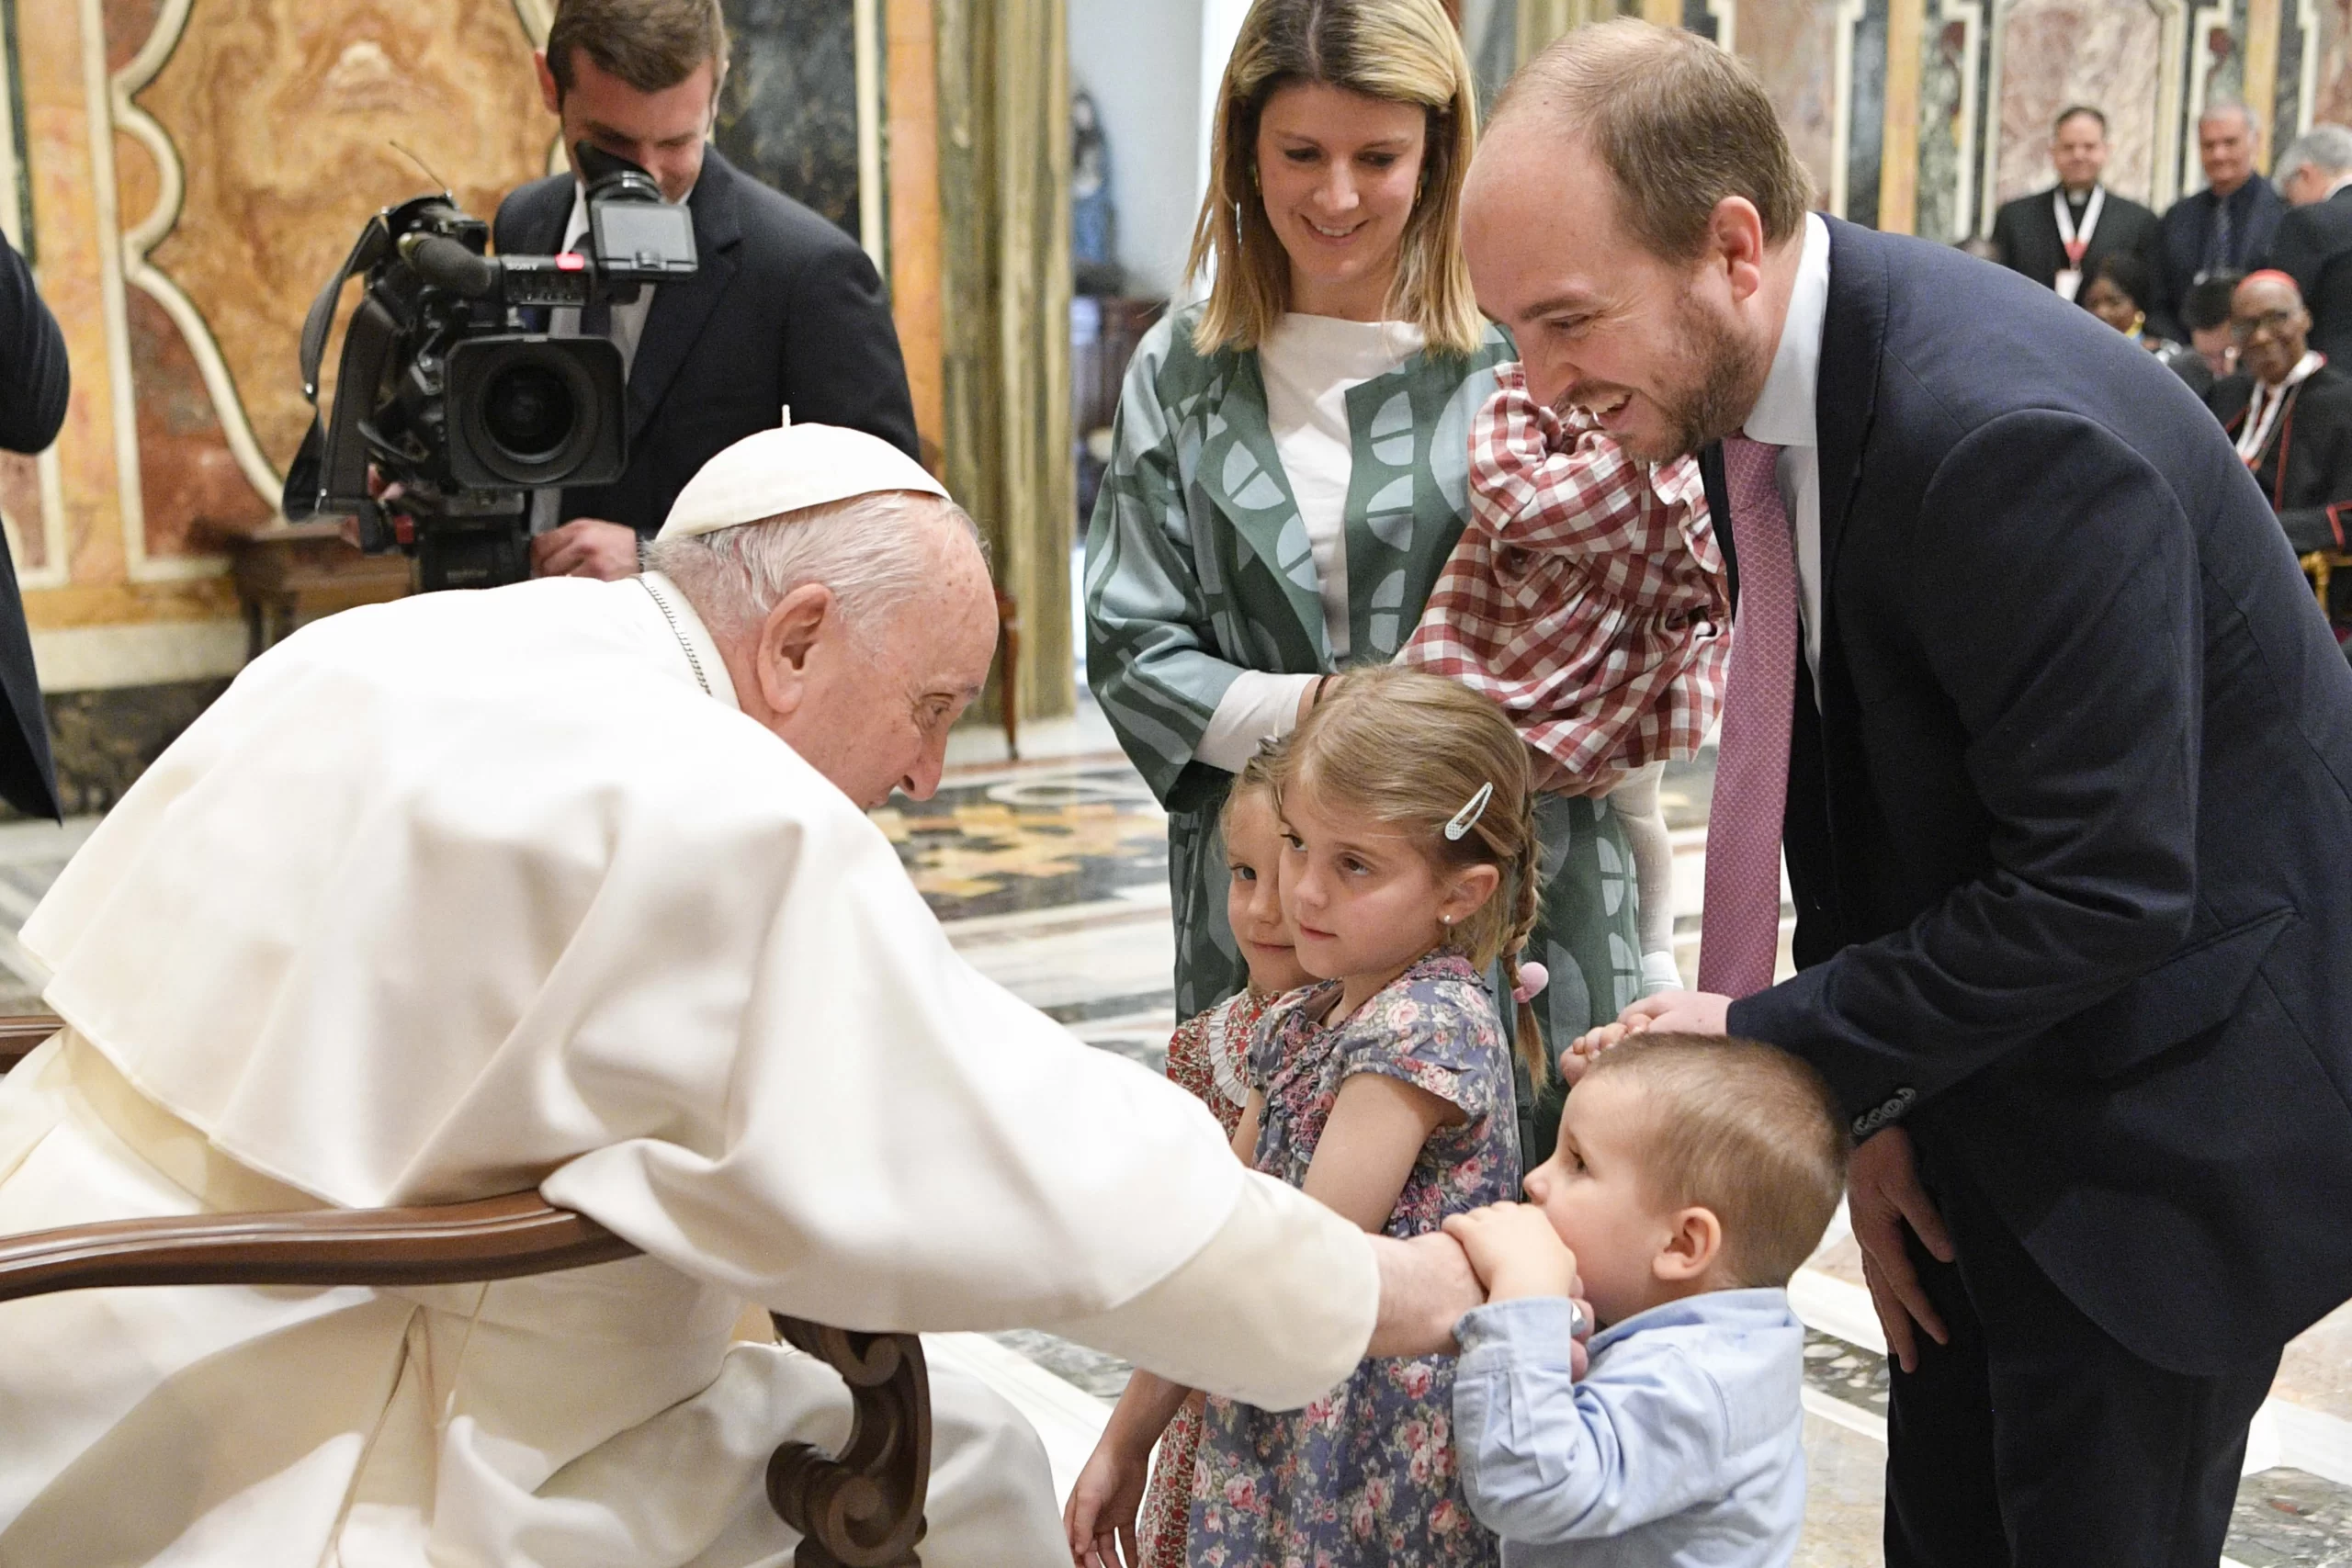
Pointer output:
x,y
789,469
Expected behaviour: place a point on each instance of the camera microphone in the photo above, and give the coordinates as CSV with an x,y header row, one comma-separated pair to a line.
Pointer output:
x,y
447,264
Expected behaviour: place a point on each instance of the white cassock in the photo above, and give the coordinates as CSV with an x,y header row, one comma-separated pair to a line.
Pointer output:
x,y
478,892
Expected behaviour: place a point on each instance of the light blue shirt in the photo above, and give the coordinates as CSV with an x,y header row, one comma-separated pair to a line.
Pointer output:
x,y
1683,1446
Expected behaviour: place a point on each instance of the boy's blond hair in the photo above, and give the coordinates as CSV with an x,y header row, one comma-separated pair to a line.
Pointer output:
x,y
1743,1129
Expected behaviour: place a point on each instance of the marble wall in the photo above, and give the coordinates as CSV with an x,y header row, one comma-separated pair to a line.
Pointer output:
x,y
1965,113
789,111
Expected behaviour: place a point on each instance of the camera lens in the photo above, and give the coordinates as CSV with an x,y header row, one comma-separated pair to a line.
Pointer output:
x,y
530,411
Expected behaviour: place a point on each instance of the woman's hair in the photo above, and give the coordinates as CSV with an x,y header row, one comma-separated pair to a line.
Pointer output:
x,y
1403,50
1412,750
2128,274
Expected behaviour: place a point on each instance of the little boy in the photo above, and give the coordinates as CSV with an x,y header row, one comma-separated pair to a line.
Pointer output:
x,y
1692,1177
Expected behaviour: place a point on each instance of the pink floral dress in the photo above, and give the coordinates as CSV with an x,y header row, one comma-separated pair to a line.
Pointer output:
x,y
1365,1474
1208,1056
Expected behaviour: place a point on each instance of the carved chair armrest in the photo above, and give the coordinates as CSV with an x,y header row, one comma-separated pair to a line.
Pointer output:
x,y
20,1032
862,1510
492,1238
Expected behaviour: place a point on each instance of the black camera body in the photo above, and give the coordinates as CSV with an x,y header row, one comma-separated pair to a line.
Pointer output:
x,y
445,392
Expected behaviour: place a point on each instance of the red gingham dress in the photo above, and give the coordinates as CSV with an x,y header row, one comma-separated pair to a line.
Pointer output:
x,y
1587,594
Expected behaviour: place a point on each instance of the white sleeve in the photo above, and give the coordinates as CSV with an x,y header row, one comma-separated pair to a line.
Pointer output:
x,y
1295,1286
1256,709
876,1136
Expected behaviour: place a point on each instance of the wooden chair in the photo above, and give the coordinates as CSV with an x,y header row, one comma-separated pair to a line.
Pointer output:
x,y
862,1509
2320,567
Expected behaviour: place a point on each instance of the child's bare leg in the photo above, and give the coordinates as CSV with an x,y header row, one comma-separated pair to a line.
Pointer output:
x,y
1636,802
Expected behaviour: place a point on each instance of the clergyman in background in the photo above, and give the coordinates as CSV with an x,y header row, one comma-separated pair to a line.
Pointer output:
x,y
2290,411
2313,245
2058,237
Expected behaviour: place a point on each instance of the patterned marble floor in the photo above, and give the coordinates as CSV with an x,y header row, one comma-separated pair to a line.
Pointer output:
x,y
1050,875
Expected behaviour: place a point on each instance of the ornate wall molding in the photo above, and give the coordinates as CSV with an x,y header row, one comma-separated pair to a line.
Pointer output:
x,y
2163,103
2206,21
140,238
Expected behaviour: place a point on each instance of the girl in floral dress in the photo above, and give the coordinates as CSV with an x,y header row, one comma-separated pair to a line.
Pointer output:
x,y
1410,867
1209,1056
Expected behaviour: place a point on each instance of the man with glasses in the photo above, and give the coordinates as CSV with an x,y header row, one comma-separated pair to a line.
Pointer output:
x,y
2290,412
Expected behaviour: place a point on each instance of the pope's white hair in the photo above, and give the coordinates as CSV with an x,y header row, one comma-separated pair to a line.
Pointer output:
x,y
875,552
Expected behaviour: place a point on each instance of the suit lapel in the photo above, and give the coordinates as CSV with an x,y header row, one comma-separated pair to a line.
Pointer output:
x,y
539,218
680,310
1853,338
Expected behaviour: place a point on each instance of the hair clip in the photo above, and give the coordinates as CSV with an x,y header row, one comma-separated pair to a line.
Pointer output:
x,y
1532,978
1467,817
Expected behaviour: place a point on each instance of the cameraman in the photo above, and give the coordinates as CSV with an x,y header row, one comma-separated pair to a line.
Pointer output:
x,y
785,310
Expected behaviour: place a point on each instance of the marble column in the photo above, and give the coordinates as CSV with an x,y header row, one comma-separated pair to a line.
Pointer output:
x,y
1004,187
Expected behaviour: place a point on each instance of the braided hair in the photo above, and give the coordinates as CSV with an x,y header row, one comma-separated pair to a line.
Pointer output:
x,y
1414,750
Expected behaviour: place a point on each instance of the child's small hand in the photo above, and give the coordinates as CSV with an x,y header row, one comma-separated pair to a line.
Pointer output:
x,y
1586,1048
1514,1251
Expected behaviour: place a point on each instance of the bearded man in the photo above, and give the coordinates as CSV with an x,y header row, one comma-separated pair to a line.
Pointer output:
x,y
568,885
2025,675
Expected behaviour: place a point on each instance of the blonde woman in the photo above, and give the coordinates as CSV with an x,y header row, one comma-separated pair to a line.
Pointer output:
x,y
1291,461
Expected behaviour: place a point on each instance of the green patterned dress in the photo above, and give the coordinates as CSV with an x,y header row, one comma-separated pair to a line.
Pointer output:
x,y
1198,567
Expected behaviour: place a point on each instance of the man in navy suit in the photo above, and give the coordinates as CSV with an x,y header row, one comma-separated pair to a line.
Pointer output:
x,y
785,310
2027,687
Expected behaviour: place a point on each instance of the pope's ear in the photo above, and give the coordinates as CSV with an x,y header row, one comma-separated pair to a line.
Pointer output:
x,y
788,638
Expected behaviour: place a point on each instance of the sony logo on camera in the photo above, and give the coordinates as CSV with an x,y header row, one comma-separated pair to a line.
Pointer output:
x,y
450,389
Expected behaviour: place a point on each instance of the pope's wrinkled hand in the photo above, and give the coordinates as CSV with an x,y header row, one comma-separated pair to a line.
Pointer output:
x,y
1426,1285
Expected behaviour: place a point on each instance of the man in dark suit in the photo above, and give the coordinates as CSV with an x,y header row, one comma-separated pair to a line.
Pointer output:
x,y
2313,245
35,384
2221,228
2027,684
785,310
2058,237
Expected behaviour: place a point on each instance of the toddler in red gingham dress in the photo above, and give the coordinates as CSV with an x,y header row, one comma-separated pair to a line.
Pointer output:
x,y
1587,597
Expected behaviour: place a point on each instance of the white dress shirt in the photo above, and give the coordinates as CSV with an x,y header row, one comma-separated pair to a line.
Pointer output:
x,y
1308,364
1783,417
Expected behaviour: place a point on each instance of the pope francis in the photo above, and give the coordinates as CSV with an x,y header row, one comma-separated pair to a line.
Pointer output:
x,y
568,885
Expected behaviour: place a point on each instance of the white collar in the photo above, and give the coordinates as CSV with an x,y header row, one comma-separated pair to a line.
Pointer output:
x,y
1784,415
698,652
2340,181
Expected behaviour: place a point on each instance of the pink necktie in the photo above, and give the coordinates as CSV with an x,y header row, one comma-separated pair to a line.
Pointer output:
x,y
1740,929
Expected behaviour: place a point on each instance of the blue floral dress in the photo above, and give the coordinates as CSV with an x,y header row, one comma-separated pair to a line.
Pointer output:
x,y
1365,1474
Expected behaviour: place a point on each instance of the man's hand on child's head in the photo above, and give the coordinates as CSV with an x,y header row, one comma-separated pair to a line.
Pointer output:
x,y
1515,1251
